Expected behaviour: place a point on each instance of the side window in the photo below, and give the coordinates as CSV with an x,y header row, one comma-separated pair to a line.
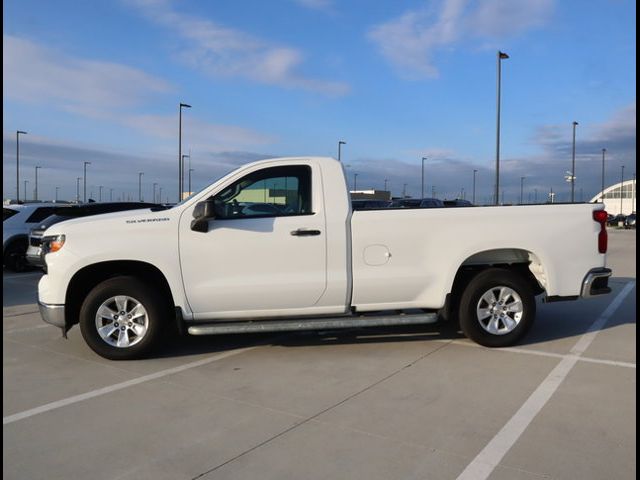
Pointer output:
x,y
40,214
271,192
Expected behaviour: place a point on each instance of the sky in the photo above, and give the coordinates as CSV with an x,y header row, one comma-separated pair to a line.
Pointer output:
x,y
101,81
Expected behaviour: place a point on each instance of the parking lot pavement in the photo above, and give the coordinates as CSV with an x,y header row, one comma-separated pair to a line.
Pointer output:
x,y
375,403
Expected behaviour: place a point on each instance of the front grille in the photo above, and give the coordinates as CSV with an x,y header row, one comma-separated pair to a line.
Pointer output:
x,y
35,241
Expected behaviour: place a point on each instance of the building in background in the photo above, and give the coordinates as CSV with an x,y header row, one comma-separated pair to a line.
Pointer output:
x,y
370,195
612,201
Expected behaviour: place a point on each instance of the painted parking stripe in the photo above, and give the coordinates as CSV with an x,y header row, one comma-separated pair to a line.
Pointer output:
x,y
119,386
483,465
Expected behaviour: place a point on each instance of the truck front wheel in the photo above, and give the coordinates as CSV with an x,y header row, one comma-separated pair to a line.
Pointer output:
x,y
497,308
123,319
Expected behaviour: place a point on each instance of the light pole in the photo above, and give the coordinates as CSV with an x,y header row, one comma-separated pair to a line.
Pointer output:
x,y
474,186
404,190
535,195
140,186
36,188
385,184
422,180
433,191
340,143
573,163
100,193
111,194
355,182
154,192
78,189
85,180
57,188
521,189
25,190
621,187
180,179
193,169
160,195
604,150
500,56
18,132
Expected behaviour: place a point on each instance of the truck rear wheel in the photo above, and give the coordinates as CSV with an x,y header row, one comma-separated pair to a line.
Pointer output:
x,y
123,319
497,308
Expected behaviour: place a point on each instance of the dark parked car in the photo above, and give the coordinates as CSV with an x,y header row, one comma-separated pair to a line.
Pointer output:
x,y
33,254
630,221
417,203
615,220
457,203
369,204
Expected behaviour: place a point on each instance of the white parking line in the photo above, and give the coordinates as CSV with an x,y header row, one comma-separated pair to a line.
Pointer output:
x,y
119,386
483,465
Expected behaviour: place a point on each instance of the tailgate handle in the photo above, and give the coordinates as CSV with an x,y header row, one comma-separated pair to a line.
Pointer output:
x,y
302,232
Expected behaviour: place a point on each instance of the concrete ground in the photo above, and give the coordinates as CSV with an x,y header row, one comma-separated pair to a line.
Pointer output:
x,y
396,403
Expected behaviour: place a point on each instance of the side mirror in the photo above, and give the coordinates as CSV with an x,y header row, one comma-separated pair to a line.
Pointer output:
x,y
202,212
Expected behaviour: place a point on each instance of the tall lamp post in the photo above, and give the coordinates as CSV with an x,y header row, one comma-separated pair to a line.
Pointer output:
x,y
25,190
154,192
18,132
180,179
57,188
404,190
521,189
500,56
604,150
140,186
621,187
573,163
355,182
474,186
100,187
78,189
340,143
35,194
422,179
386,180
192,170
85,180
160,195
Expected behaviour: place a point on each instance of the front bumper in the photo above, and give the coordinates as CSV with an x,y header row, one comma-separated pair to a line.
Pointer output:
x,y
53,314
596,282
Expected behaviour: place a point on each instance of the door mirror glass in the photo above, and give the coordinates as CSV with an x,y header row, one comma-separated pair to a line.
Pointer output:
x,y
202,213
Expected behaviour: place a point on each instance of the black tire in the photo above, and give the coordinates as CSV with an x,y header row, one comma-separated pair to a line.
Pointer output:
x,y
157,315
14,257
486,280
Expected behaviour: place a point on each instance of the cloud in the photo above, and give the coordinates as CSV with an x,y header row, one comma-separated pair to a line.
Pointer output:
x,y
220,51
36,74
411,41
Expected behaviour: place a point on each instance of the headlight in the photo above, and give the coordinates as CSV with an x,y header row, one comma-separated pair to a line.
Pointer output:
x,y
52,243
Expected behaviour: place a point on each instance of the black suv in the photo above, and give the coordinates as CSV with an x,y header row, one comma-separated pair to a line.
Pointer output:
x,y
417,203
34,249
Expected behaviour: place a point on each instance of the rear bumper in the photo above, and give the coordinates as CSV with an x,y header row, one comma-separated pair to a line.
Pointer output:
x,y
596,282
53,314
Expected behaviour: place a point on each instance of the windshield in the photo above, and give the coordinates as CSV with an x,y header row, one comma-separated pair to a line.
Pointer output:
x,y
197,192
8,213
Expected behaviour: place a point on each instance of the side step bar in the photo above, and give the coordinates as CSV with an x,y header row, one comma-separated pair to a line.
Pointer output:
x,y
311,324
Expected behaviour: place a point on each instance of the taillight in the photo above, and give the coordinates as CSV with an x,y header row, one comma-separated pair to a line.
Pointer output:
x,y
601,216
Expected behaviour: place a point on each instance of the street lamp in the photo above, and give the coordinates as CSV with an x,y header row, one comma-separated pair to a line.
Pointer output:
x,y
621,187
57,188
192,170
111,194
18,132
404,190
355,182
154,192
85,180
422,180
160,195
385,184
521,189
604,150
140,186
182,173
100,193
500,56
340,143
573,163
474,186
78,189
25,190
180,179
36,188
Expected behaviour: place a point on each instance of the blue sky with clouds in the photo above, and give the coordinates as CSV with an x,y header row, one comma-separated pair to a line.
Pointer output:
x,y
101,81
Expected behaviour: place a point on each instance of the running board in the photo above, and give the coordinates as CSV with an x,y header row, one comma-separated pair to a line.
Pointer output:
x,y
259,326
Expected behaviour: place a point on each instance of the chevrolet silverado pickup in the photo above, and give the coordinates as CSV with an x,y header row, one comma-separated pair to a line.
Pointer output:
x,y
276,246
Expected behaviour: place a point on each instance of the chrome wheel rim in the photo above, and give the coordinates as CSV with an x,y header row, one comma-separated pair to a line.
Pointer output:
x,y
122,321
499,310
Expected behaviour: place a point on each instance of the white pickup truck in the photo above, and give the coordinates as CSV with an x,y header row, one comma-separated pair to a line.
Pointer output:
x,y
275,246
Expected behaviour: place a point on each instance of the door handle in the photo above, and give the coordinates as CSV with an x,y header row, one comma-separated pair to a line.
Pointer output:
x,y
302,232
